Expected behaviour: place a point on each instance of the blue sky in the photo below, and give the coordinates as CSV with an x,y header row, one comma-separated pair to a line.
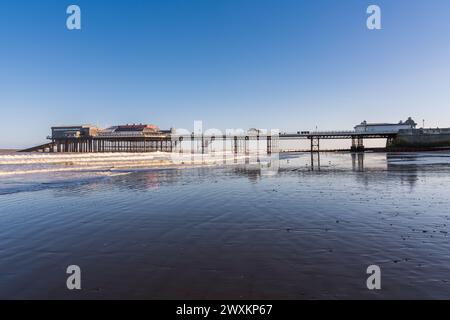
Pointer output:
x,y
286,64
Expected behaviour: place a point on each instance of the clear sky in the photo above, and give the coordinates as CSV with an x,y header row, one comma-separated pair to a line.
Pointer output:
x,y
285,64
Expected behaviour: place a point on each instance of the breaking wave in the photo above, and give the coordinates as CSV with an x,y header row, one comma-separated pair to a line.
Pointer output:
x,y
21,164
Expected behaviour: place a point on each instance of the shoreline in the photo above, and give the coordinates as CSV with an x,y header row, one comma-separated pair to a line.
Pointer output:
x,y
374,150
38,163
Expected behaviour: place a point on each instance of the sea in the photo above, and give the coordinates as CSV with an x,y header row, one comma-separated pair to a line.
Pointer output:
x,y
284,226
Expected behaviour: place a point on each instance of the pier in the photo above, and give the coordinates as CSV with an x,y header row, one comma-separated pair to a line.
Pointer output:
x,y
168,142
96,144
149,138
357,138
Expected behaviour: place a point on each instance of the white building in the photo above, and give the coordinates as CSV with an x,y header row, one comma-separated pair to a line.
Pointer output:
x,y
385,127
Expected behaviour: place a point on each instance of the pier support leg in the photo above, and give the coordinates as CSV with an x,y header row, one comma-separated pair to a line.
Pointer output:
x,y
360,145
353,147
315,150
390,142
357,144
246,145
203,144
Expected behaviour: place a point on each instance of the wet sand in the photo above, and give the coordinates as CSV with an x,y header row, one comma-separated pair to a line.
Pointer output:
x,y
233,232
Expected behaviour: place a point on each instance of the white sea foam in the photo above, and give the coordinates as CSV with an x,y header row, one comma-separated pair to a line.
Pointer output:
x,y
61,158
20,164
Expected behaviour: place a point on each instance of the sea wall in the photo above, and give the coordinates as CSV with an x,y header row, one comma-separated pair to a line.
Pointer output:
x,y
421,139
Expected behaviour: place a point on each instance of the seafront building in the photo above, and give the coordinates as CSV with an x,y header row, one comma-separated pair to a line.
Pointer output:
x,y
386,127
121,138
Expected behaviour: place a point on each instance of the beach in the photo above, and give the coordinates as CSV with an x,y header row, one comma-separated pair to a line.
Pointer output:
x,y
249,230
